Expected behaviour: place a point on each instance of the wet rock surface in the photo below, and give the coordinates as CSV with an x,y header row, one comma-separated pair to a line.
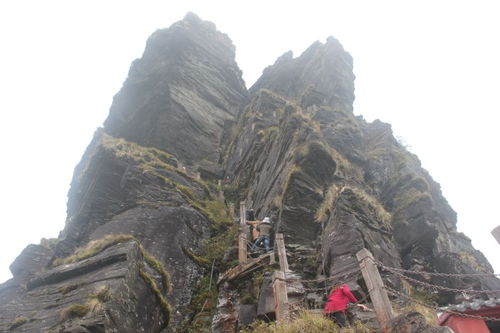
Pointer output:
x,y
63,299
290,146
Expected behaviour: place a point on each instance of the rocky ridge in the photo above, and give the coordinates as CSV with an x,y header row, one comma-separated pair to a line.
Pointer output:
x,y
148,230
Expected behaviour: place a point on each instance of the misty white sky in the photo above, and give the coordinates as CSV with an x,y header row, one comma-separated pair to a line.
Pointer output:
x,y
430,68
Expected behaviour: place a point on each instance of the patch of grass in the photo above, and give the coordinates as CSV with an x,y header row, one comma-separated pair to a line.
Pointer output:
x,y
92,248
149,159
374,204
214,210
423,296
215,248
102,294
358,327
199,260
204,300
75,310
94,304
96,246
123,148
96,300
408,197
69,287
267,134
428,313
158,266
203,306
20,320
305,322
329,198
165,306
472,262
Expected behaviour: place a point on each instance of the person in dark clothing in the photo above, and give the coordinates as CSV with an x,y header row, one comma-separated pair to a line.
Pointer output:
x,y
264,228
336,305
250,216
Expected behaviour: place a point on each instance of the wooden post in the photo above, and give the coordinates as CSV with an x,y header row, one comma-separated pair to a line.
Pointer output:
x,y
242,248
496,233
280,293
280,244
231,211
378,295
221,192
243,214
272,257
242,241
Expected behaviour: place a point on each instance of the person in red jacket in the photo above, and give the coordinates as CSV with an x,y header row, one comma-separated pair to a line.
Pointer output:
x,y
336,305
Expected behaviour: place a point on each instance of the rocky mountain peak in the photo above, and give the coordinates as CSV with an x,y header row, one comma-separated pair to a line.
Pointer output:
x,y
323,68
151,219
185,87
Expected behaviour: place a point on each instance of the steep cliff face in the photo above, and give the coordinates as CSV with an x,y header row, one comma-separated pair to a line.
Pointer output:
x,y
180,94
148,229
335,183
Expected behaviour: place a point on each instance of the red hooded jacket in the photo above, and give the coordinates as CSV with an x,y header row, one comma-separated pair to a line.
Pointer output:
x,y
338,299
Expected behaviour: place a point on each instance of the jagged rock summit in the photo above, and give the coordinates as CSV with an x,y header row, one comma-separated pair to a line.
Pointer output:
x,y
150,225
181,93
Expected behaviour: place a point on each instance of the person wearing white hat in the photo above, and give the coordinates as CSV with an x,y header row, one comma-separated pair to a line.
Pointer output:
x,y
265,228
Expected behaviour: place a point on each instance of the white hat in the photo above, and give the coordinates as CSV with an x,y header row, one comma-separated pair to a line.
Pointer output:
x,y
266,220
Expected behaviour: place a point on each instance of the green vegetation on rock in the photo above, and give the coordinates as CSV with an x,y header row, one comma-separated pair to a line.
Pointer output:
x,y
376,207
330,197
305,322
148,157
92,248
75,310
20,320
165,306
203,305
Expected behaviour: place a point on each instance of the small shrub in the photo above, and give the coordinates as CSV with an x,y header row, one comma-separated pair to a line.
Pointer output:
x,y
95,301
247,299
20,320
68,288
102,294
75,310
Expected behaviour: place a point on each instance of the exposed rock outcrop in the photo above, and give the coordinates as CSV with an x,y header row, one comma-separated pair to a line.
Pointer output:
x,y
184,123
181,94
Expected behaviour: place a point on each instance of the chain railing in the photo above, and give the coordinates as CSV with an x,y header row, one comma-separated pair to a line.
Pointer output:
x,y
435,307
434,287
423,273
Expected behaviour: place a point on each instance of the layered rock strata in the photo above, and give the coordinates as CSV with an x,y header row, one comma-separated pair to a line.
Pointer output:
x,y
184,139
